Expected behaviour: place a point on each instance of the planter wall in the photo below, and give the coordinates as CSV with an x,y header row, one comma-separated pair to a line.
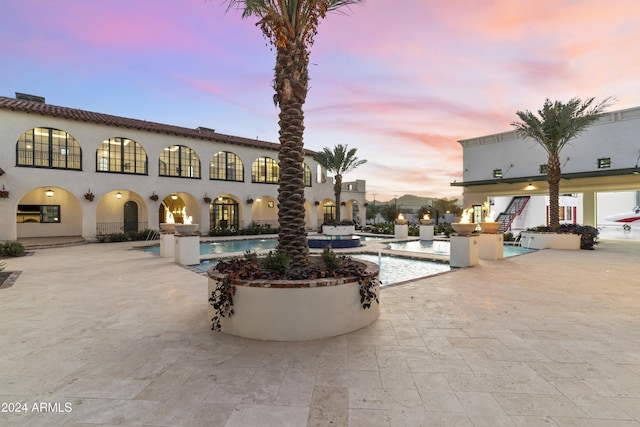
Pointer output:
x,y
567,241
322,309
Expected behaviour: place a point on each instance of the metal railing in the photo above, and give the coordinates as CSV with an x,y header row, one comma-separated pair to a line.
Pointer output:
x,y
103,228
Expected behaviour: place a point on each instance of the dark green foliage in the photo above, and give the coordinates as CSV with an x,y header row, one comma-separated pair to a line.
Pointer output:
x,y
251,256
252,230
11,249
222,302
145,234
588,234
330,259
277,262
508,237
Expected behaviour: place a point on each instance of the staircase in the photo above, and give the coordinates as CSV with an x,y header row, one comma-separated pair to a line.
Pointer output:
x,y
515,208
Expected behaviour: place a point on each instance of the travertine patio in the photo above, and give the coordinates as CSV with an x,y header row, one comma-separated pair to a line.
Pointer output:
x,y
550,338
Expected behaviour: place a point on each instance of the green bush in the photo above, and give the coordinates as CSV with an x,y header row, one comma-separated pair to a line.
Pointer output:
x,y
277,262
508,237
330,259
12,248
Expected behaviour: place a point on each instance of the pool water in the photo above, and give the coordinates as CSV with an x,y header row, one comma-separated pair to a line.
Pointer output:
x,y
221,247
392,269
444,248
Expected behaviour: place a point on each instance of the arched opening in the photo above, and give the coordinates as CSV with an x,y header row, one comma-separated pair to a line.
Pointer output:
x,y
224,213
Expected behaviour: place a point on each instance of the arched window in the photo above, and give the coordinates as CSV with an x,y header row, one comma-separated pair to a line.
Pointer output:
x,y
121,155
48,148
180,161
226,166
265,170
307,175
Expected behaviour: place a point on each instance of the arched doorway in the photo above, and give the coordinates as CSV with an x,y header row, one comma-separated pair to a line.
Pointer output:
x,y
224,214
130,216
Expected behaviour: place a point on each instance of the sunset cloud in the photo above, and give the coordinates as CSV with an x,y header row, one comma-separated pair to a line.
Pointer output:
x,y
402,81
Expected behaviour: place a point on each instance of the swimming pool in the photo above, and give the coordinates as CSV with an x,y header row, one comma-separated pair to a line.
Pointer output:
x,y
444,248
393,269
225,246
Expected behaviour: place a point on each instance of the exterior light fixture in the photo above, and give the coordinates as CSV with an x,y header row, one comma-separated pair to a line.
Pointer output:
x,y
174,196
118,195
49,193
219,198
258,199
529,187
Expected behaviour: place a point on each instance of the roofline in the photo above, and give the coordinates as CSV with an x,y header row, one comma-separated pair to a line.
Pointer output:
x,y
508,135
573,175
49,110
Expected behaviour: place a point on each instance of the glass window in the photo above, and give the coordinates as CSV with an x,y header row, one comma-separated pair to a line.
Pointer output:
x,y
121,155
604,163
38,213
497,173
266,170
543,169
48,148
307,175
179,161
226,166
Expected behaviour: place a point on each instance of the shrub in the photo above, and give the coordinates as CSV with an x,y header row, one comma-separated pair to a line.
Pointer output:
x,y
251,256
330,259
12,248
277,262
508,237
117,237
147,233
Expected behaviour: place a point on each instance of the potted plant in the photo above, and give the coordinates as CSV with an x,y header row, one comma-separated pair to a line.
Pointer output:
x,y
89,196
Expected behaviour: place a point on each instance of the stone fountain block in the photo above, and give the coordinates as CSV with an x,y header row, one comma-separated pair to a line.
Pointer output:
x,y
490,227
426,232
491,246
187,249
465,251
167,245
400,231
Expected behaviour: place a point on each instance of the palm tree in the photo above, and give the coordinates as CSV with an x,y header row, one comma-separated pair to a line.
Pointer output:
x,y
339,161
557,125
290,25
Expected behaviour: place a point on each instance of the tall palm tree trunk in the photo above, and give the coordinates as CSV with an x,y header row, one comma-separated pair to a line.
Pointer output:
x,y
553,178
337,190
291,90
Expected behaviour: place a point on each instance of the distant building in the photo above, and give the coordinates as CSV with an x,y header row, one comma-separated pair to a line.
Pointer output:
x,y
70,172
600,173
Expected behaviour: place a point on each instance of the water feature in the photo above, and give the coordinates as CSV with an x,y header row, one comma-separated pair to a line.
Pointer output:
x,y
437,247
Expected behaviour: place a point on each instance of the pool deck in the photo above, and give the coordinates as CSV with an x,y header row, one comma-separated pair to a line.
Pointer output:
x,y
111,336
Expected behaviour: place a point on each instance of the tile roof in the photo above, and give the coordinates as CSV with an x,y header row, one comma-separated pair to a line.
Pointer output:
x,y
27,106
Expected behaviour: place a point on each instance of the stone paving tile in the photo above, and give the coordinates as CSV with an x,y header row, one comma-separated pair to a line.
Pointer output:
x,y
503,343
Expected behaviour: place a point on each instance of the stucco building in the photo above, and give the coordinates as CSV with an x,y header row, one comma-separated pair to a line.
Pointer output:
x,y
600,173
70,172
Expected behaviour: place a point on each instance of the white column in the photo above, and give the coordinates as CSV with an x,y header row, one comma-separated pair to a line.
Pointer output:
x,y
464,251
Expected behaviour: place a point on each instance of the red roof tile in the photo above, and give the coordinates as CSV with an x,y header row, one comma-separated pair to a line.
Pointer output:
x,y
26,106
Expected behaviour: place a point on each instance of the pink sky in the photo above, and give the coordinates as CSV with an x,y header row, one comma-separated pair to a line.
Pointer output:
x,y
401,80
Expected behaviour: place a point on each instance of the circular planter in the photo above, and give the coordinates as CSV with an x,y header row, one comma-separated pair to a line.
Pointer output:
x,y
300,310
463,229
490,227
